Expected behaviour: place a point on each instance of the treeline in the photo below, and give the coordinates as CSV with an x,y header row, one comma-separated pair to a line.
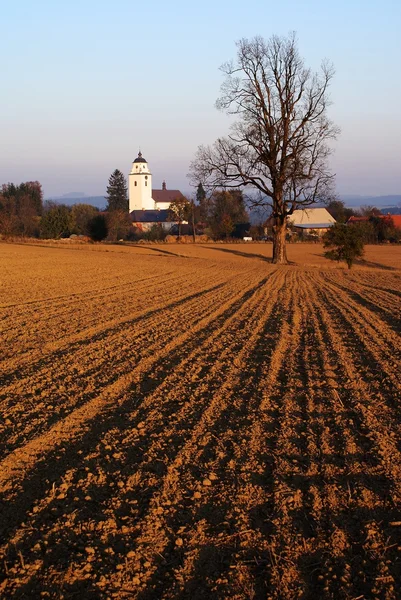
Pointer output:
x,y
222,215
61,221
23,213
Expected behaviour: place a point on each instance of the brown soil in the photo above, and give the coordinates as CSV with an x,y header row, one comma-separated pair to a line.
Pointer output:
x,y
194,422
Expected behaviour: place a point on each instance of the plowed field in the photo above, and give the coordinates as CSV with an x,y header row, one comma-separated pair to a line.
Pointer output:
x,y
194,422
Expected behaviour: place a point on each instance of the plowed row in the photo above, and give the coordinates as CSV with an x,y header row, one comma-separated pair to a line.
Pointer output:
x,y
198,423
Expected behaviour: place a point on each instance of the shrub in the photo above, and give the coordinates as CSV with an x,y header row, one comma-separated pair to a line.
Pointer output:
x,y
56,222
155,234
81,217
97,228
346,243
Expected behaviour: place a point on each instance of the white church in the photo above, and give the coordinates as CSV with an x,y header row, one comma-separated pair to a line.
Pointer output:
x,y
146,205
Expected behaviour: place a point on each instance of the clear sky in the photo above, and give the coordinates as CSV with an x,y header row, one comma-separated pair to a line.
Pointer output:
x,y
85,83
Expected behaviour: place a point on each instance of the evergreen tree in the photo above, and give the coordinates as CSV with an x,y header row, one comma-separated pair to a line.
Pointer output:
x,y
203,203
117,194
200,194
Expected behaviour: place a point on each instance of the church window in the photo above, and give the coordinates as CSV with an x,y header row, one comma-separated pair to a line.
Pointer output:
x,y
146,183
135,183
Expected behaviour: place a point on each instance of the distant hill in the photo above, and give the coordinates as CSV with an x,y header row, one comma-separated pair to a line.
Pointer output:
x,y
391,210
79,198
378,201
74,195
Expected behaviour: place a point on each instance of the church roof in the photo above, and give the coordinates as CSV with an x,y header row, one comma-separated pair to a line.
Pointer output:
x,y
149,216
165,195
140,158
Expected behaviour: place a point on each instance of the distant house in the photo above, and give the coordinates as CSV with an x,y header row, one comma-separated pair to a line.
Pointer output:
x,y
396,219
311,220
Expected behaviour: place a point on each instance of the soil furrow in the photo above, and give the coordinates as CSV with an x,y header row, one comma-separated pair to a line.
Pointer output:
x,y
73,425
254,319
387,312
194,422
71,387
103,326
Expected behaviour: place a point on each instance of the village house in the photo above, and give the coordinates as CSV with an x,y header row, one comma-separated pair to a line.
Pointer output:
x,y
311,221
395,219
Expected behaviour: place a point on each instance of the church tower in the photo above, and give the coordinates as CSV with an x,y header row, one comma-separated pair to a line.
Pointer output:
x,y
140,186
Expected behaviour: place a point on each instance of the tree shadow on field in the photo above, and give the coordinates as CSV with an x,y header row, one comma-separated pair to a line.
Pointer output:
x,y
244,254
375,265
367,263
213,575
392,319
357,565
166,252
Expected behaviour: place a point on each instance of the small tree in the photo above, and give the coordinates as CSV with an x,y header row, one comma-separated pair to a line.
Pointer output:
x,y
9,221
28,216
98,228
117,194
81,217
156,233
179,211
225,226
383,226
56,221
119,225
227,209
33,189
367,210
346,242
339,211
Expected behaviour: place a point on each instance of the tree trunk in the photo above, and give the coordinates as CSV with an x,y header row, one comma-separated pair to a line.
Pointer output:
x,y
193,221
279,242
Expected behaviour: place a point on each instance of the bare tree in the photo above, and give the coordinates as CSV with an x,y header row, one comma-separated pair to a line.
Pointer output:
x,y
179,212
279,144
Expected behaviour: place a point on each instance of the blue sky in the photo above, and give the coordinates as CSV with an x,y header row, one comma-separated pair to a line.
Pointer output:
x,y
85,84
